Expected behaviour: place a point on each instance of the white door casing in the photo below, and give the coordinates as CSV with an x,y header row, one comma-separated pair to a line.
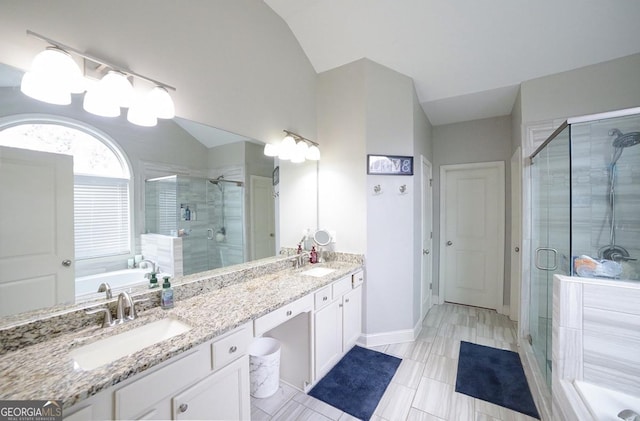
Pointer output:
x,y
427,229
262,210
472,234
36,226
516,234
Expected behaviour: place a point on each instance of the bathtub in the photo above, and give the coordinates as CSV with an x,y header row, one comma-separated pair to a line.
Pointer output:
x,y
119,280
605,404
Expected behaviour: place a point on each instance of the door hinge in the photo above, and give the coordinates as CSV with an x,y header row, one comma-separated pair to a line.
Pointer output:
x,y
431,286
430,182
431,234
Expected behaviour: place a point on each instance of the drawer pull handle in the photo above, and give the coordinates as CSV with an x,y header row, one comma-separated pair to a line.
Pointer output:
x,y
233,349
183,407
324,298
289,312
346,301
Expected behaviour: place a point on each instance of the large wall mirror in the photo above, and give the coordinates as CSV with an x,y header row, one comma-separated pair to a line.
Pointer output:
x,y
179,182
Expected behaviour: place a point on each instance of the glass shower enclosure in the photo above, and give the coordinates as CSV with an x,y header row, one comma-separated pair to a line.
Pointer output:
x,y
207,214
585,196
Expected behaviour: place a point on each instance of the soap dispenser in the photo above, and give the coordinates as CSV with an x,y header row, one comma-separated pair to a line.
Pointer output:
x,y
153,281
166,299
313,256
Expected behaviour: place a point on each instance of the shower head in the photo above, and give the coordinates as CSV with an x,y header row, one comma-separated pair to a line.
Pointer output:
x,y
624,140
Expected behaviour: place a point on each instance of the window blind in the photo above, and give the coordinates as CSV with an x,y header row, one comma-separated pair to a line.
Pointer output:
x,y
101,216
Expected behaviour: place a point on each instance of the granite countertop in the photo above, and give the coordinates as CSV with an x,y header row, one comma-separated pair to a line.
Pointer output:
x,y
45,370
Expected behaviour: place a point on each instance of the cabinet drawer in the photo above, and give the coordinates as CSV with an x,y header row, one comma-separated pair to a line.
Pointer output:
x,y
341,287
357,279
231,347
141,394
323,297
284,313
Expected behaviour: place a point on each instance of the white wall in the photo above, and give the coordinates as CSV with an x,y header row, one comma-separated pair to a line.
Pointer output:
x,y
365,108
473,141
341,133
235,64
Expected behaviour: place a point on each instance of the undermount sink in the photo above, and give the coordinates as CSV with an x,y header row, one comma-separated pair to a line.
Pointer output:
x,y
318,272
109,349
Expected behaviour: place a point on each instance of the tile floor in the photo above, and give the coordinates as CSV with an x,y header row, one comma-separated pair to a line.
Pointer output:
x,y
423,388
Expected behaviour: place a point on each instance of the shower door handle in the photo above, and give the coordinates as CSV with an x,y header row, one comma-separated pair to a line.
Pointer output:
x,y
209,234
555,258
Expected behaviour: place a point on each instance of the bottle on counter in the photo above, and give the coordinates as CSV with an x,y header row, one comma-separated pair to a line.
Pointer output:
x,y
313,256
153,281
187,214
166,299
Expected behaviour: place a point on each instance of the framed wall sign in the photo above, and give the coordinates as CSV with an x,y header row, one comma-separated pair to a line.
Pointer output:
x,y
389,165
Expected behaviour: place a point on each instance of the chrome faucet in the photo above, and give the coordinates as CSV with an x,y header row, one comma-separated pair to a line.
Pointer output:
x,y
124,301
105,287
629,415
154,265
300,258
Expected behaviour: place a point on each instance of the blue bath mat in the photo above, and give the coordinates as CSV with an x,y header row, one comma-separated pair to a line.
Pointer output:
x,y
496,376
356,384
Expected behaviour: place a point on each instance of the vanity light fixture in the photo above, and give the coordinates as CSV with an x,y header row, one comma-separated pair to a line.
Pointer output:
x,y
55,75
288,149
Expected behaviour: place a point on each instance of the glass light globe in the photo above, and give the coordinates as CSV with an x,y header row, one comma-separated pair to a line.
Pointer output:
x,y
313,153
160,99
287,148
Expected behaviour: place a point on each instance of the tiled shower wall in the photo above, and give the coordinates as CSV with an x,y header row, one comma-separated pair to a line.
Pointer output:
x,y
201,249
591,152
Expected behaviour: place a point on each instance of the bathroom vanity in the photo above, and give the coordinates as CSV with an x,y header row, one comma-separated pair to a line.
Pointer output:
x,y
202,373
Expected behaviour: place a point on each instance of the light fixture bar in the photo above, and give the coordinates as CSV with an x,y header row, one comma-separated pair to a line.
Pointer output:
x,y
99,60
298,137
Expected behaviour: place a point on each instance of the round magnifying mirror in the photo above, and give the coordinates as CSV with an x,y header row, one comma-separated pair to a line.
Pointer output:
x,y
322,237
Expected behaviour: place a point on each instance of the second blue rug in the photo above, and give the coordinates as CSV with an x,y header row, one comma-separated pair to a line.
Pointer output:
x,y
356,384
496,376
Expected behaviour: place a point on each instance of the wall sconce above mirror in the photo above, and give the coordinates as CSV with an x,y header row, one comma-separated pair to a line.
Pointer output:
x,y
293,147
54,76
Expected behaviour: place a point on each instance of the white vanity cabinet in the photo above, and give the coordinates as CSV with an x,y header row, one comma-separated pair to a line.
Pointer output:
x,y
338,322
210,381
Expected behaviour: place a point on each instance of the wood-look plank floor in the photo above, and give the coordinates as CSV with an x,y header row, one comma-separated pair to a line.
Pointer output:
x,y
423,388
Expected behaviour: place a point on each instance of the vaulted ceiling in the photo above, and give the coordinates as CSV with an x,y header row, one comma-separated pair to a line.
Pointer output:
x,y
466,57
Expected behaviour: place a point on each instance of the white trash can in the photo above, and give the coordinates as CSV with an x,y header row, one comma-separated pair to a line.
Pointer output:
x,y
264,367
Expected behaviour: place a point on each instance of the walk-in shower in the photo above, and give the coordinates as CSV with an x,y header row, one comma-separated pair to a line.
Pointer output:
x,y
207,214
585,218
613,251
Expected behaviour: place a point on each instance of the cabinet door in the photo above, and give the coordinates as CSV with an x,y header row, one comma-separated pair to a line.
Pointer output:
x,y
224,395
352,318
328,337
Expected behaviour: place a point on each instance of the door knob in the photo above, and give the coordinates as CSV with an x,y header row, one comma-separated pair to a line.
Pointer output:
x,y
425,251
66,263
449,243
517,249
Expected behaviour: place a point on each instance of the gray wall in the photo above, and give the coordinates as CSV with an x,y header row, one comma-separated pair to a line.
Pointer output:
x,y
462,143
607,86
235,64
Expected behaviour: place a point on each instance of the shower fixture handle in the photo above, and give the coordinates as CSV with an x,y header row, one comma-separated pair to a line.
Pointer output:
x,y
209,234
555,258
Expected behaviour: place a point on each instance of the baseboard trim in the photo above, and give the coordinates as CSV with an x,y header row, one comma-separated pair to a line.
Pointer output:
x,y
506,310
397,336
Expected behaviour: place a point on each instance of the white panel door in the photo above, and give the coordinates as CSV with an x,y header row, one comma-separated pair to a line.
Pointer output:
x,y
472,249
427,229
263,240
36,230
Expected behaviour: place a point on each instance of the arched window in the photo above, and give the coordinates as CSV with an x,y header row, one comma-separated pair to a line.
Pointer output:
x,y
102,210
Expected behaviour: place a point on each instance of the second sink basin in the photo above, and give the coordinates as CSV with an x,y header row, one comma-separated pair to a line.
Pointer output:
x,y
109,349
318,272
